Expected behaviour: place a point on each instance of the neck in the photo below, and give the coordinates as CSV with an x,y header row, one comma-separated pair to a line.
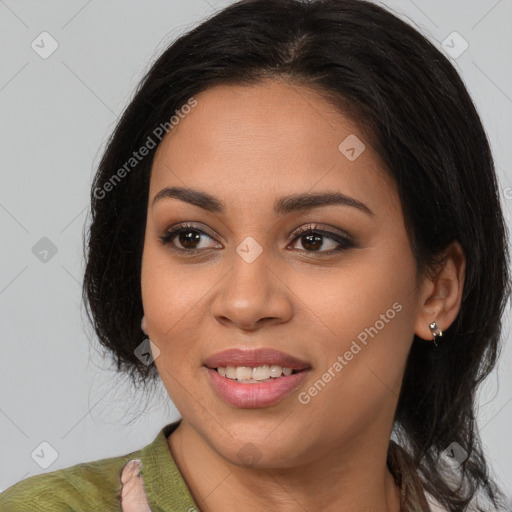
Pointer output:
x,y
338,481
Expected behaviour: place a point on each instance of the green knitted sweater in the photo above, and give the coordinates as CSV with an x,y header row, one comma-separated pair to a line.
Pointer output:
x,y
96,486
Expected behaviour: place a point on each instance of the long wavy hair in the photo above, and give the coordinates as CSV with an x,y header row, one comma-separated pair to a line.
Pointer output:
x,y
390,79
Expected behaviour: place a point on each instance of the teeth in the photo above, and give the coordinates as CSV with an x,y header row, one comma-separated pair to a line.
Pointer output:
x,y
275,371
230,372
249,374
243,372
262,372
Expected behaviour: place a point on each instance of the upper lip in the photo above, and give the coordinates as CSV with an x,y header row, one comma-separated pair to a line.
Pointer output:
x,y
255,357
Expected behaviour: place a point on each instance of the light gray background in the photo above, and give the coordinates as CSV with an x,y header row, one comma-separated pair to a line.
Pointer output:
x,y
55,116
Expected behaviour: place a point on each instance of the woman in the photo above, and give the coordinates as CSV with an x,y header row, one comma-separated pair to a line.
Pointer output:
x,y
299,210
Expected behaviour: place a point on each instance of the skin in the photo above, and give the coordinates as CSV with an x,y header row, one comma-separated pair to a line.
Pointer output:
x,y
248,146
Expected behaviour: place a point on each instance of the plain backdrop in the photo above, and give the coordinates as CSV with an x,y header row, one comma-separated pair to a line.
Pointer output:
x,y
56,112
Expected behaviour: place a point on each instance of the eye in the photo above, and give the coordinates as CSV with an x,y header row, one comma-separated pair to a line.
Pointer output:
x,y
312,239
187,236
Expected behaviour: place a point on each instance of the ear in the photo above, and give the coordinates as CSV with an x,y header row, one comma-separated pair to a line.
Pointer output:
x,y
441,295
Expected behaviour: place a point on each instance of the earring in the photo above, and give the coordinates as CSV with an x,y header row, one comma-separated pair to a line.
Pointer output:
x,y
436,331
143,324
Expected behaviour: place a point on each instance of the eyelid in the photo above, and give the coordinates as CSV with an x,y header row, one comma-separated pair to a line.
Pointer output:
x,y
190,225
330,231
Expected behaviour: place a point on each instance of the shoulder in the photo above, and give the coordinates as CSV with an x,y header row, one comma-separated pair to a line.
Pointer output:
x,y
84,487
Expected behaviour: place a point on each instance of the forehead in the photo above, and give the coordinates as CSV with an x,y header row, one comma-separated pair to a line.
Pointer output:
x,y
257,141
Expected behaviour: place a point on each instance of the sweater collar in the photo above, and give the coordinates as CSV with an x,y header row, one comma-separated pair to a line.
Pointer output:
x,y
164,484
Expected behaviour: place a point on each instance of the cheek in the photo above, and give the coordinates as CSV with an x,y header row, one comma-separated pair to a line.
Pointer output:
x,y
374,290
371,320
367,314
173,298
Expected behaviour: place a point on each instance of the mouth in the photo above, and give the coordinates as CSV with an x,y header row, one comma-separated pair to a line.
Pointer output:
x,y
255,378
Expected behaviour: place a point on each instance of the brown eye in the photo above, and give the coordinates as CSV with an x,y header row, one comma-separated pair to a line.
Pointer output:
x,y
313,240
188,239
185,238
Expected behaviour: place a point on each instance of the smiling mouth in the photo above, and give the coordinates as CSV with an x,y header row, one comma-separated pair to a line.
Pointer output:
x,y
256,374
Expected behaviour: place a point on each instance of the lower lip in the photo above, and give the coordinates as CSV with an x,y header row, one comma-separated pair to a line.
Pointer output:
x,y
254,396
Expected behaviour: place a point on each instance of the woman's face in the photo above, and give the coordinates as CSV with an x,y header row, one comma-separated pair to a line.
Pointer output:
x,y
261,265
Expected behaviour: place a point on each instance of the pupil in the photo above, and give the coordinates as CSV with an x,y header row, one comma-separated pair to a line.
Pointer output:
x,y
188,238
313,240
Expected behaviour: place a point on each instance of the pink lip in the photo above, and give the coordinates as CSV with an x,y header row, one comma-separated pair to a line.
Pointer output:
x,y
254,396
255,357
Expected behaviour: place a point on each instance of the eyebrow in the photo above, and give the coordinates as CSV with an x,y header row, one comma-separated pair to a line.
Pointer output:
x,y
282,206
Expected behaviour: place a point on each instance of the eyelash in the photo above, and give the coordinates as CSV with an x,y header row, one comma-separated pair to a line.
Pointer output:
x,y
343,241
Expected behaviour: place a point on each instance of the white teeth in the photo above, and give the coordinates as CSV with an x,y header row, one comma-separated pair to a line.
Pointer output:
x,y
243,372
275,371
230,372
262,372
250,374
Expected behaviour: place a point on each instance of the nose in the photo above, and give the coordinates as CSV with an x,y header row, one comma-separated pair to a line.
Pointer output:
x,y
253,294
